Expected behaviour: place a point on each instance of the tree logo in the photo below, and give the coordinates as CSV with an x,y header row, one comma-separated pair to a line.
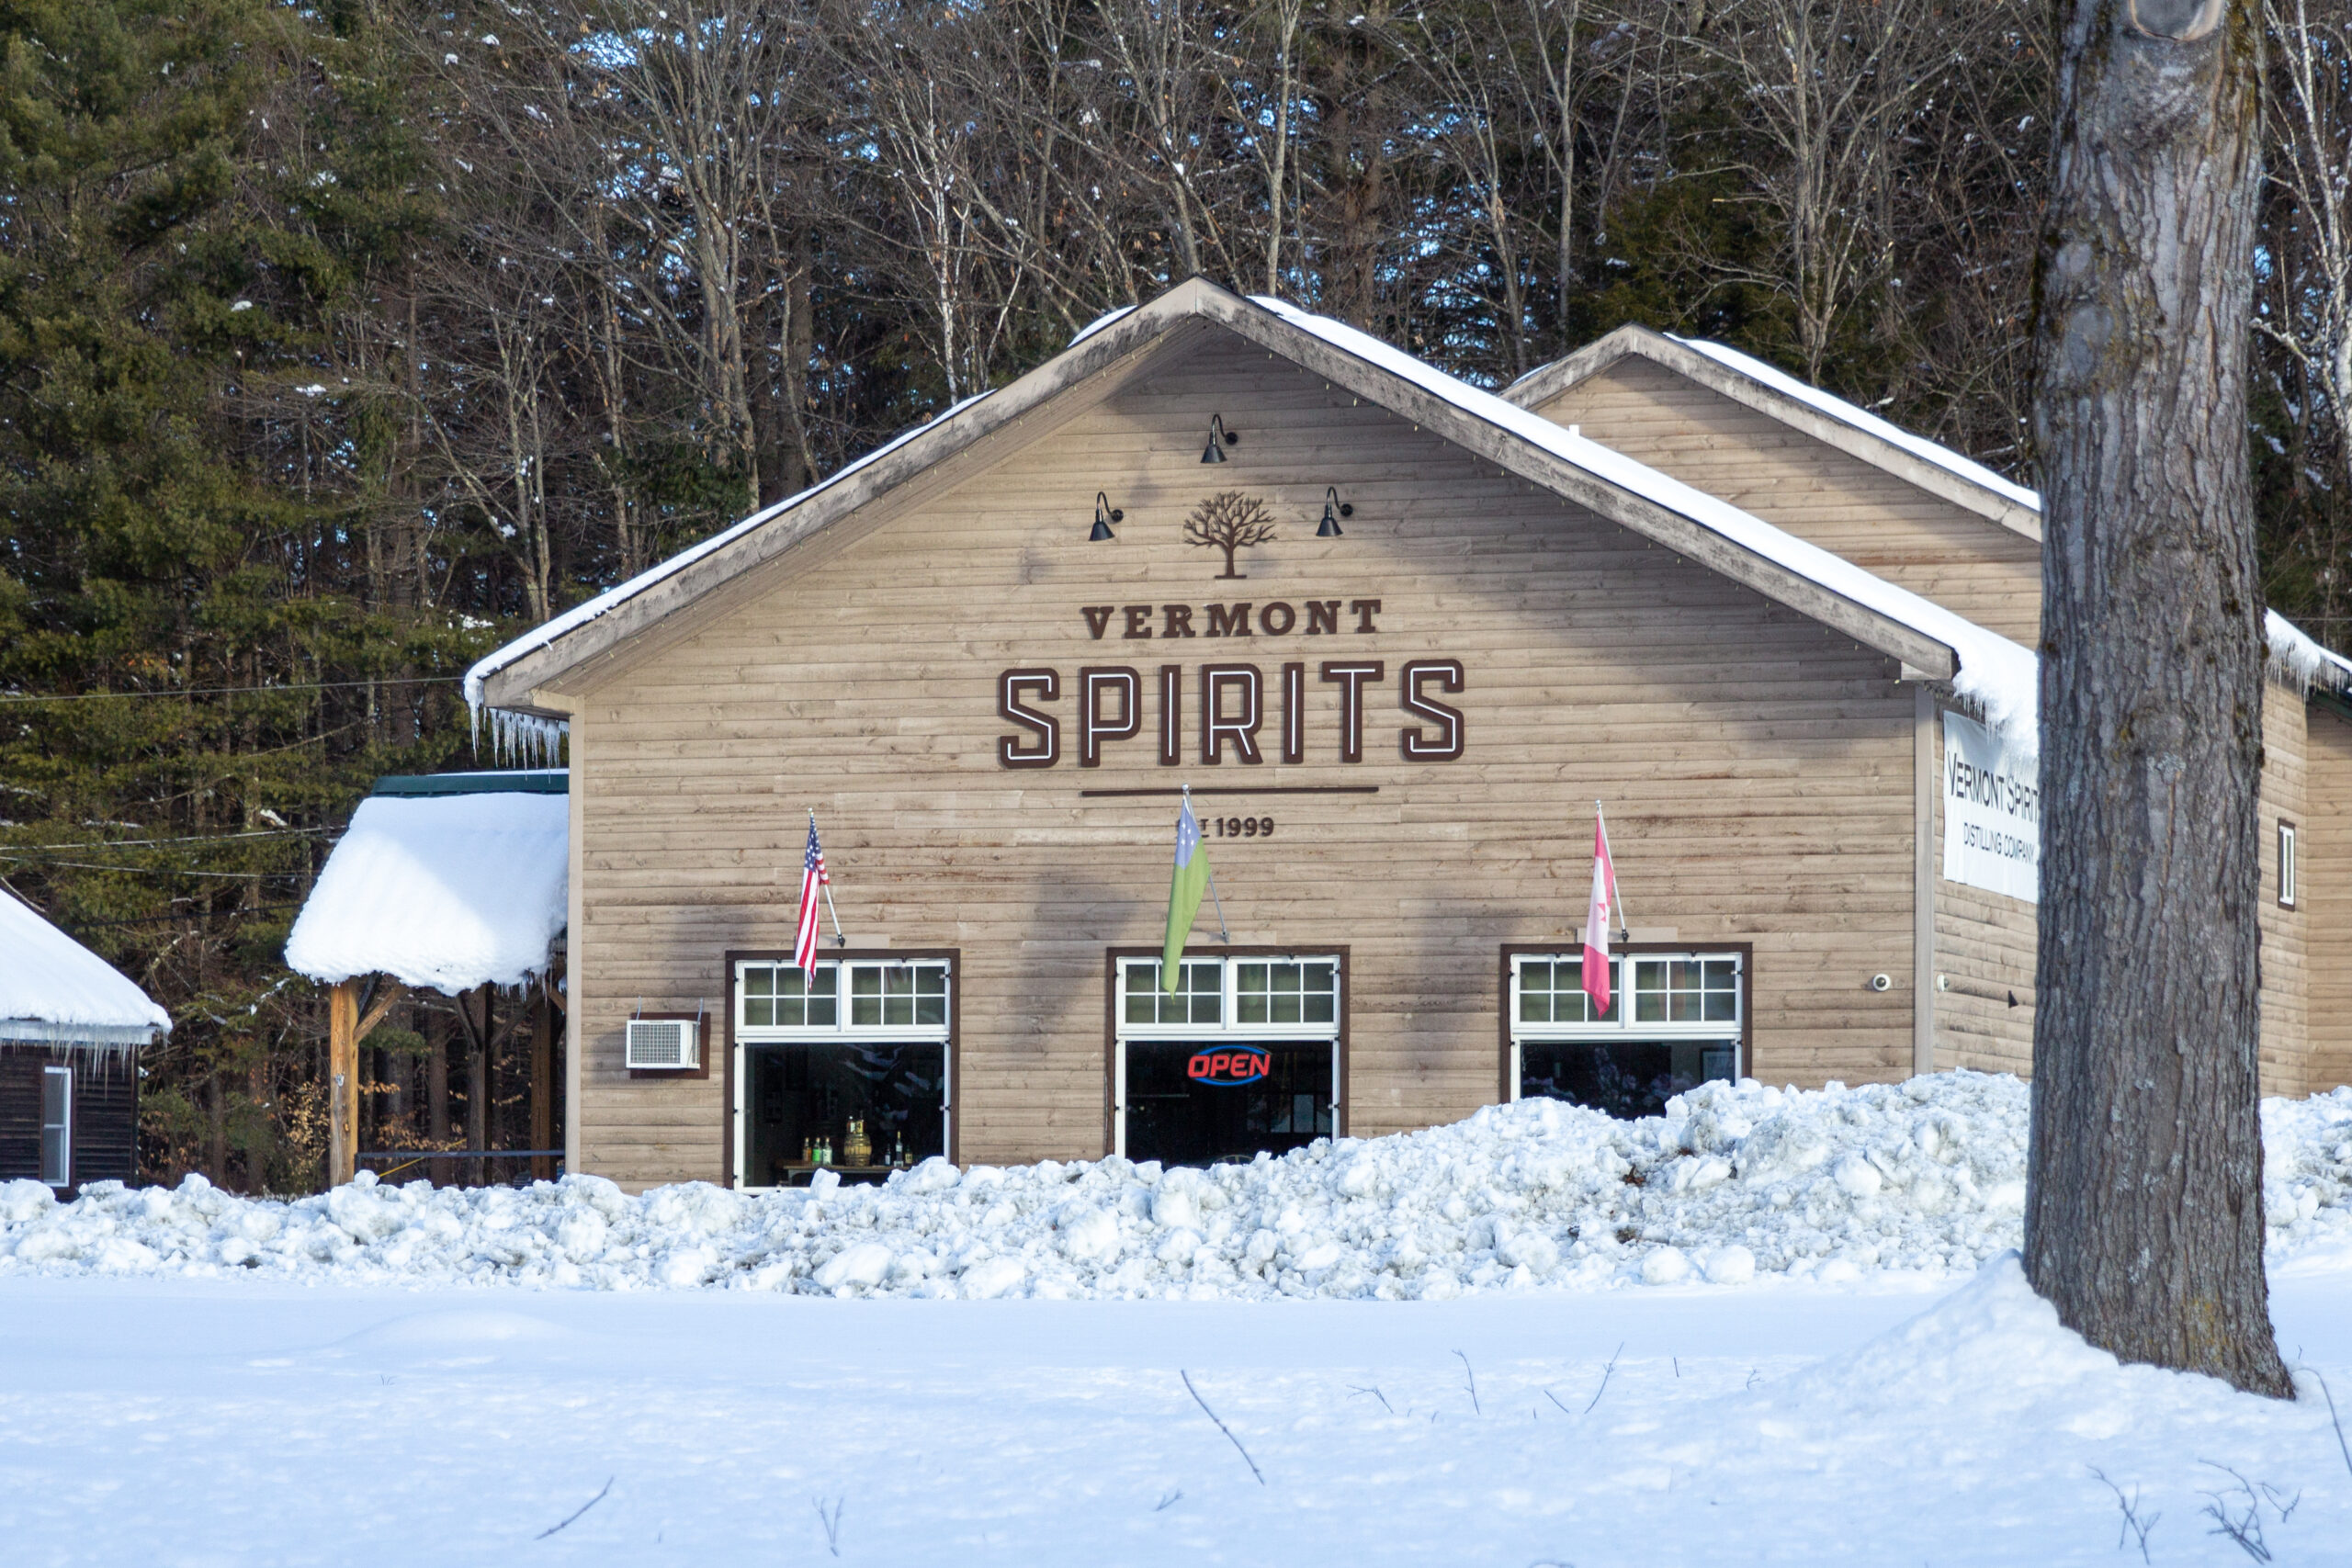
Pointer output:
x,y
1229,521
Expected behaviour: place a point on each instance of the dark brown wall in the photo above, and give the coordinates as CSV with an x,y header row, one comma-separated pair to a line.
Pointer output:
x,y
106,1113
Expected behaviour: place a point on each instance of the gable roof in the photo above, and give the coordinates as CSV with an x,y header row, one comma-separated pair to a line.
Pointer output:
x,y
55,990
1929,640
2295,655
1831,420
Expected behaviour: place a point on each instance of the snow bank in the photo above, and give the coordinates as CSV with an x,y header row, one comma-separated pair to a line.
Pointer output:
x,y
447,892
1734,1184
52,987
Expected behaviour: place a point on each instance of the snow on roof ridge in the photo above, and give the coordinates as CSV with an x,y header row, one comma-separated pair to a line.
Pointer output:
x,y
1998,675
612,598
1863,420
47,978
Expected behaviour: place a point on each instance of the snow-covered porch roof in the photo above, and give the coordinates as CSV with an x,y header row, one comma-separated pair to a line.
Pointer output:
x,y
443,883
54,991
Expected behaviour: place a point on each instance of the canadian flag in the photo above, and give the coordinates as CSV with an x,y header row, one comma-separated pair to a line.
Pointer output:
x,y
1600,917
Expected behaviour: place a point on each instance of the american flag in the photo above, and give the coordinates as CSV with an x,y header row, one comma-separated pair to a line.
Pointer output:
x,y
813,876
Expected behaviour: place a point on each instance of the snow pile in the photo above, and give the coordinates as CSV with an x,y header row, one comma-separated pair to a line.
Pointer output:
x,y
1733,1183
447,892
52,987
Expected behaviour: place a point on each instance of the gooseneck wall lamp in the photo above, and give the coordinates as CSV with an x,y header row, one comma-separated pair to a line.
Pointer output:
x,y
1333,510
1105,515
1219,439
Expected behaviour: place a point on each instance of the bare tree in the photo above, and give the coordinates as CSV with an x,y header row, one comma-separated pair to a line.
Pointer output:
x,y
2143,1212
1229,521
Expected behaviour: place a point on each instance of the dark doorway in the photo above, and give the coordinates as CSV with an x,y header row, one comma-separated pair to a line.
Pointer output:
x,y
1624,1079
801,1101
1208,1103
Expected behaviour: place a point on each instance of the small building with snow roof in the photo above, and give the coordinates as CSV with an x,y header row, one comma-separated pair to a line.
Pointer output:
x,y
71,1027
1397,636
450,883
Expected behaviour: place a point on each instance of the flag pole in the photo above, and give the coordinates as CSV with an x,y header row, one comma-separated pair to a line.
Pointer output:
x,y
1616,893
827,884
1222,934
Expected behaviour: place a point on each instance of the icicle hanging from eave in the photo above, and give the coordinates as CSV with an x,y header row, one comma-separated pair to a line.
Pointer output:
x,y
533,739
2299,660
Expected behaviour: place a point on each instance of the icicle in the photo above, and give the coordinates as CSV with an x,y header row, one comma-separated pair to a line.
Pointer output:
x,y
530,739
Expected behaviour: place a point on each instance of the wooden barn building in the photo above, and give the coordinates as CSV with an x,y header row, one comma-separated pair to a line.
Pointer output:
x,y
1398,635
71,1030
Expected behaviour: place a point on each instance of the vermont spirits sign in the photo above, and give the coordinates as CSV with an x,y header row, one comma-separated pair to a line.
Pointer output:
x,y
1223,709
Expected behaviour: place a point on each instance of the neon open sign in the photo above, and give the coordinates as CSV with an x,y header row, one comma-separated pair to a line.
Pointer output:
x,y
1229,1067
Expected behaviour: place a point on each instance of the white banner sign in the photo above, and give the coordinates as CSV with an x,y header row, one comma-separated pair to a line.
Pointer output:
x,y
1991,813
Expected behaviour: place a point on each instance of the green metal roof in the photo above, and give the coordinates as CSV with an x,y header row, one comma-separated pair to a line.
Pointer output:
x,y
511,781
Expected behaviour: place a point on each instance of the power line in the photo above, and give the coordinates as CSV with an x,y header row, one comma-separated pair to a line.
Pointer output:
x,y
233,691
191,839
139,870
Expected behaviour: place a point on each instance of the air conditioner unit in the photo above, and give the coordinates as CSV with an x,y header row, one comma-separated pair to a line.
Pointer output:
x,y
663,1042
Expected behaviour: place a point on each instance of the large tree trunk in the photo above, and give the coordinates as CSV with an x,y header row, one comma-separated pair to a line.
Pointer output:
x,y
2144,1215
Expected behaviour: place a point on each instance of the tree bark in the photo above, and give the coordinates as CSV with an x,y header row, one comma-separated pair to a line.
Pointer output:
x,y
2143,1213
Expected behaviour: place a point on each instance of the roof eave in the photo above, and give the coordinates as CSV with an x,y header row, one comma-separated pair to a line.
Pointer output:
x,y
1545,382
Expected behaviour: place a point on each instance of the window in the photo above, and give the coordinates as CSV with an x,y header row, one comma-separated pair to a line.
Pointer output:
x,y
844,997
1241,1058
2287,865
57,1126
845,1068
1673,1020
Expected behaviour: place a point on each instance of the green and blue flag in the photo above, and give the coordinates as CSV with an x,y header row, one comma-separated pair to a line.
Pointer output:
x,y
1184,889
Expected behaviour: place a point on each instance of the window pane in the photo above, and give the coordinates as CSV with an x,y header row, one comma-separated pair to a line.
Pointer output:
x,y
759,1011
759,981
1321,1007
931,1008
1649,992
1204,984
1249,993
822,1010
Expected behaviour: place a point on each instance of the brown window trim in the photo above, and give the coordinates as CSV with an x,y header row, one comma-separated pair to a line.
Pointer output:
x,y
702,1046
1743,1068
1345,1089
954,957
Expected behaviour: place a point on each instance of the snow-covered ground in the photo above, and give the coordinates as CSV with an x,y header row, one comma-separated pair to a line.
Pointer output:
x,y
252,1421
1773,1327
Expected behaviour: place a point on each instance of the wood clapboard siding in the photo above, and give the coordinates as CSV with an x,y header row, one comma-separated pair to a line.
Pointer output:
x,y
1985,950
105,1114
1756,768
2325,874
2285,974
1984,942
1967,563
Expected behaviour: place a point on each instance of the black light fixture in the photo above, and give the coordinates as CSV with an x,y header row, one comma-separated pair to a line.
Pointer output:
x,y
1105,515
1333,510
1219,439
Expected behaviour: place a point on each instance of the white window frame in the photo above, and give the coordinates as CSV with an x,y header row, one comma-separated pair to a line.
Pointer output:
x,y
1228,1026
2287,867
1623,1028
64,1177
841,1032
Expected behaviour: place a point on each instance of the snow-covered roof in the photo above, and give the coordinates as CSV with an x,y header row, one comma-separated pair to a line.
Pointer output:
x,y
1996,673
53,990
1838,409
1990,670
443,892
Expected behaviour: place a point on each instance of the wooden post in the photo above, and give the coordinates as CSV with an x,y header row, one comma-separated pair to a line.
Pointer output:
x,y
542,1081
342,1082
